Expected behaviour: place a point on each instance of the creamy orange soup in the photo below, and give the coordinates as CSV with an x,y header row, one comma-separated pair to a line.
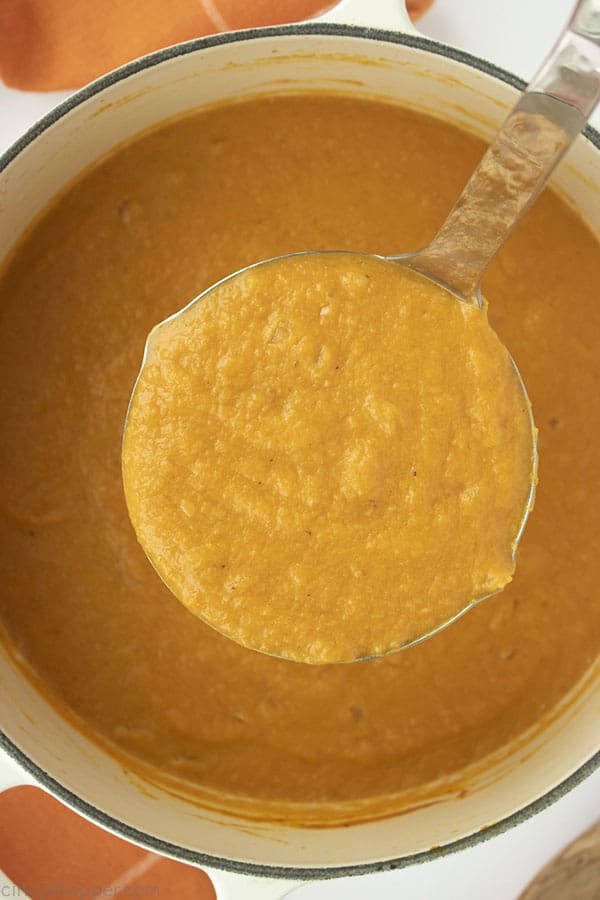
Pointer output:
x,y
155,224
328,457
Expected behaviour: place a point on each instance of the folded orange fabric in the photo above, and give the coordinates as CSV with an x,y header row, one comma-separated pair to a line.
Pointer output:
x,y
48,45
49,851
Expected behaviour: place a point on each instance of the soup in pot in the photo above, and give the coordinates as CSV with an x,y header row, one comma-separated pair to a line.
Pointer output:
x,y
133,239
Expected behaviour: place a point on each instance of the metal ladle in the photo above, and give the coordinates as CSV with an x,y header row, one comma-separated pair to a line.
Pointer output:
x,y
536,134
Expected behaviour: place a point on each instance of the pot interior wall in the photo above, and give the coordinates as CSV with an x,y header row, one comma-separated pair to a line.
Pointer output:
x,y
291,62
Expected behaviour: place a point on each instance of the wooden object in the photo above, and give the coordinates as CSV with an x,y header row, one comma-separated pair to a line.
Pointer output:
x,y
574,873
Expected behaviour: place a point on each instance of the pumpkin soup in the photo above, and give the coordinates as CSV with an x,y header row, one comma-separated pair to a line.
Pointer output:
x,y
328,456
160,220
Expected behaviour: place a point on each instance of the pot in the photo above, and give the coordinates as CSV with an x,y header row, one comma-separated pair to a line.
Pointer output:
x,y
363,57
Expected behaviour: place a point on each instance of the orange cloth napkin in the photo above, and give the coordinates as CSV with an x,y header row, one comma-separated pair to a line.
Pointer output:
x,y
49,45
49,851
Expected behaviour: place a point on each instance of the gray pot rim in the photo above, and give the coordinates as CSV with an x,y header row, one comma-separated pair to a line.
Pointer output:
x,y
44,778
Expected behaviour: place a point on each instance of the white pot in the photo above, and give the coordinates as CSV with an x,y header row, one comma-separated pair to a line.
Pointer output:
x,y
394,64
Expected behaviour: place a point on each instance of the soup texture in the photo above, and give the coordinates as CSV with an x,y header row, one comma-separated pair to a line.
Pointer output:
x,y
125,247
328,456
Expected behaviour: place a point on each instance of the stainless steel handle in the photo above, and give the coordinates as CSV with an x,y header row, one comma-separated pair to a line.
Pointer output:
x,y
520,160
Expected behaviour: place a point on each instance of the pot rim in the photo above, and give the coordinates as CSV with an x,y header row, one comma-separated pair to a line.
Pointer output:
x,y
46,780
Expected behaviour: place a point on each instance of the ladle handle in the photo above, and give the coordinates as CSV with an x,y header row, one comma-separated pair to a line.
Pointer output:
x,y
519,161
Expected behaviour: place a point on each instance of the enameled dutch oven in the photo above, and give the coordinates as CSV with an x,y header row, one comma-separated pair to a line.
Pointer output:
x,y
365,58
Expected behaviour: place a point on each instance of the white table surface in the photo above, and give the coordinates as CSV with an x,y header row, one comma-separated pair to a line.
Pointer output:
x,y
514,34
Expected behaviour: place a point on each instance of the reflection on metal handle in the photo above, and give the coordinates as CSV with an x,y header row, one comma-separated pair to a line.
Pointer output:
x,y
586,20
520,160
571,71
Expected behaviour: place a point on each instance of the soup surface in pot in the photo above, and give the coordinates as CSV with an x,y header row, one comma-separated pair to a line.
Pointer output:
x,y
125,247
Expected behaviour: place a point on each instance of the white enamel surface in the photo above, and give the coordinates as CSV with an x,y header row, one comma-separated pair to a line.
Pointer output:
x,y
389,14
235,887
470,98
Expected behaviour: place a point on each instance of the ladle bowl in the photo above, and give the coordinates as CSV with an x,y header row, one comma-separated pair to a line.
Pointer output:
x,y
534,137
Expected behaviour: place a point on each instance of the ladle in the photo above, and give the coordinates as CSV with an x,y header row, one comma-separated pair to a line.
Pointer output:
x,y
521,158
